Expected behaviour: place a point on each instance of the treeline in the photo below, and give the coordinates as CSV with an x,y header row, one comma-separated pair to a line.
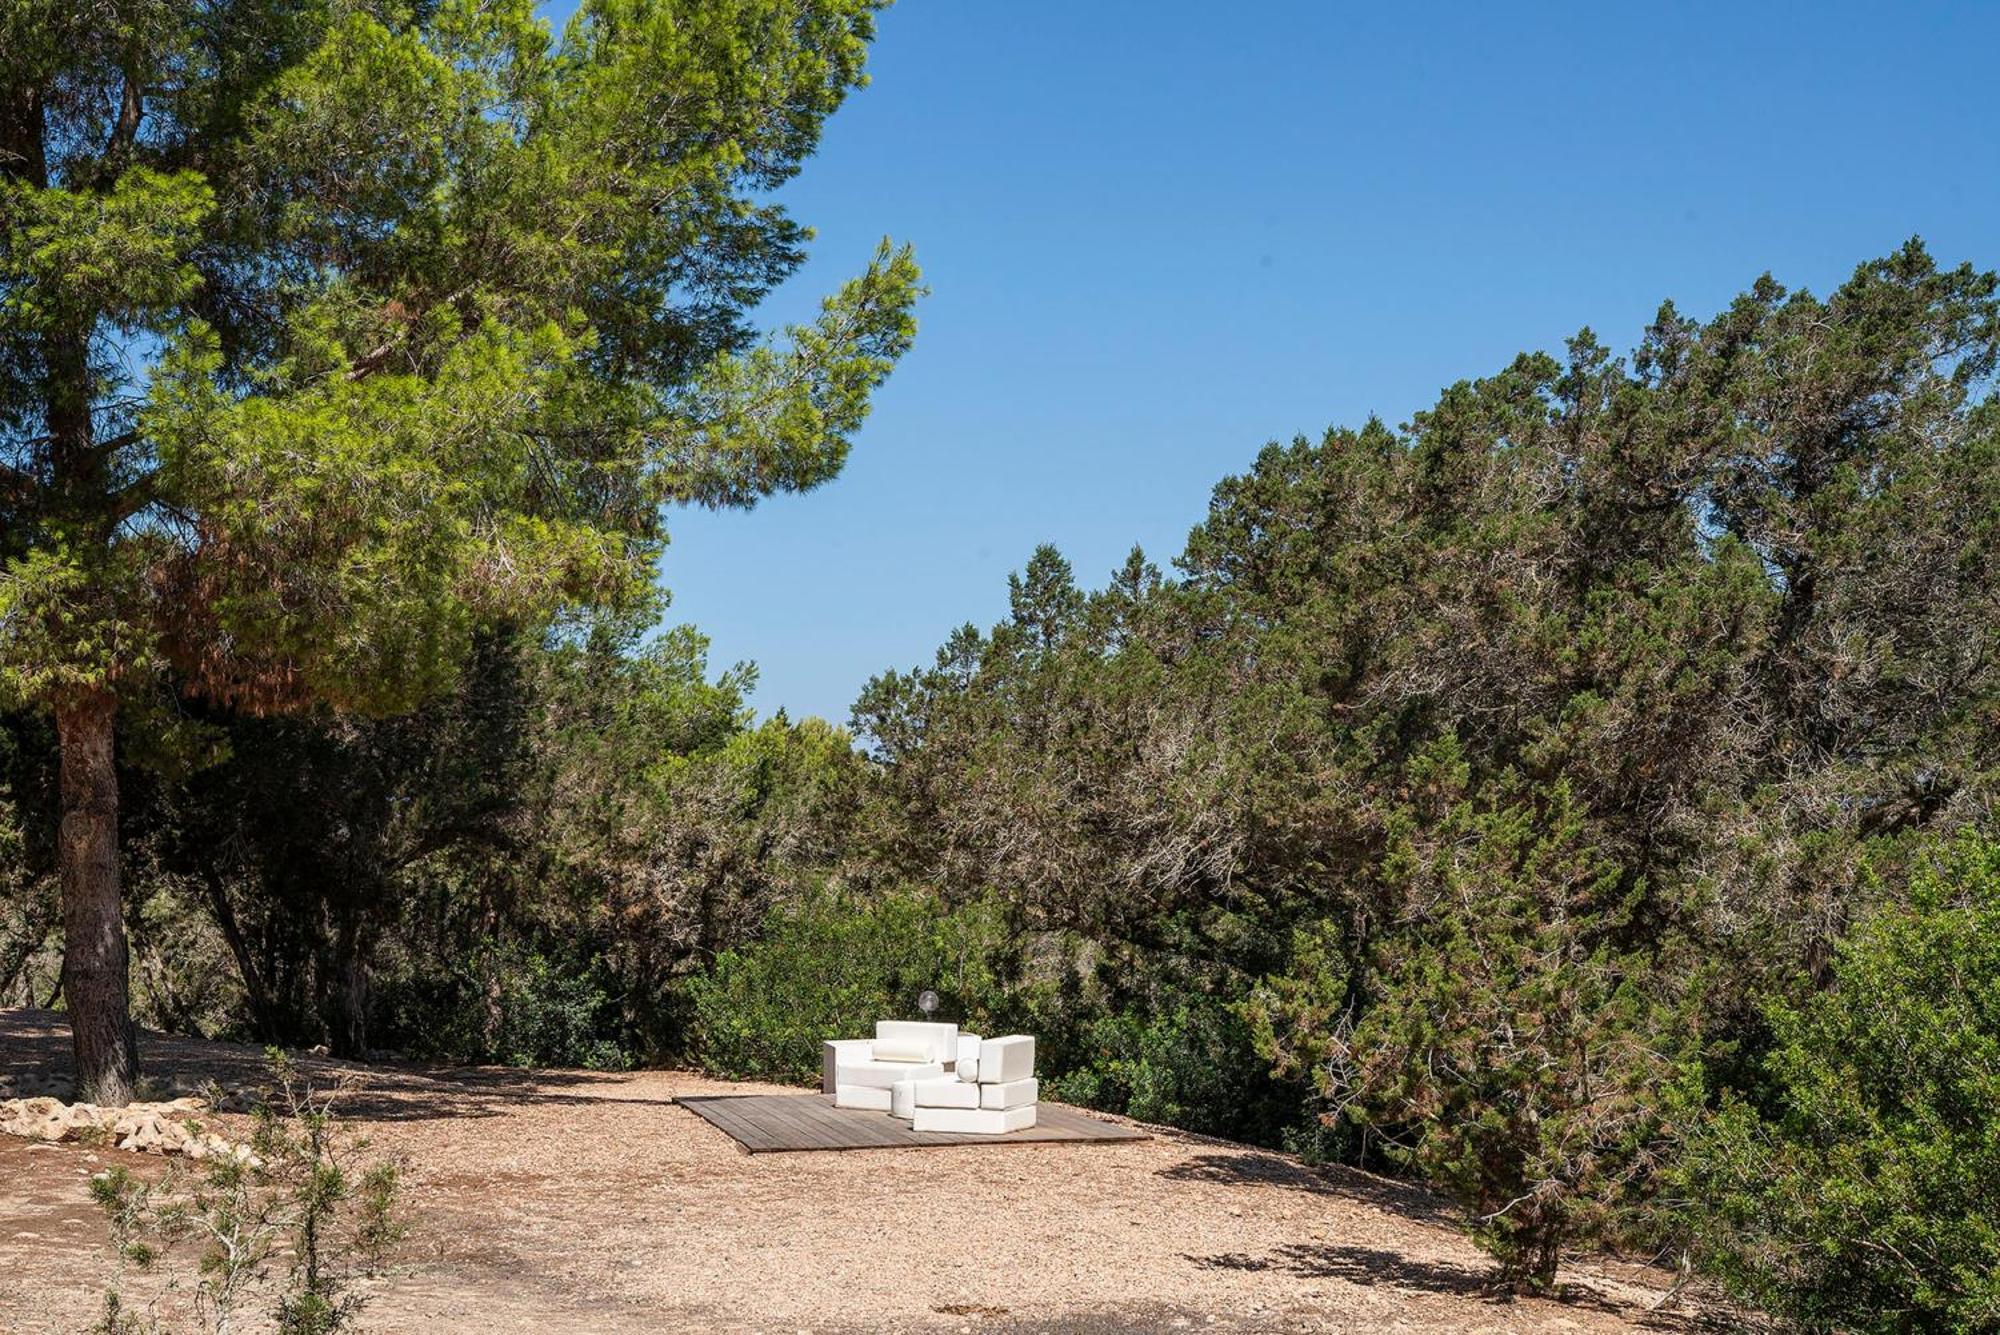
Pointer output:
x,y
1579,798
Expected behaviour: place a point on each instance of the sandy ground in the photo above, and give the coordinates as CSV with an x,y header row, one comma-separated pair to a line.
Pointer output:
x,y
573,1201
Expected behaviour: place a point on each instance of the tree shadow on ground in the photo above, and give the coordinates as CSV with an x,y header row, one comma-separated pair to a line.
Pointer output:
x,y
35,1044
1258,1169
1356,1265
1376,1266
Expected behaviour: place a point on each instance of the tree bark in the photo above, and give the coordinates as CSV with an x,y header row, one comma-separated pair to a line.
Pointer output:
x,y
96,960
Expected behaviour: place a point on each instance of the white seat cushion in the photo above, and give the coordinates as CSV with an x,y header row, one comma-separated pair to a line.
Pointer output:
x,y
902,1099
948,1092
874,1098
902,1050
1013,1094
973,1121
881,1075
1005,1060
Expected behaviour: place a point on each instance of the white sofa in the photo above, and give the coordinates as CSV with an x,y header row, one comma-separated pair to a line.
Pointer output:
x,y
935,1077
940,1043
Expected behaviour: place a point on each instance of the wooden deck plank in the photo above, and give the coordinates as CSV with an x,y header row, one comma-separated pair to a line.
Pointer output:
x,y
775,1123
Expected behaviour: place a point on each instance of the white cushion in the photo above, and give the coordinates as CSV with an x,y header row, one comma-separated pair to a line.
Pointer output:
x,y
941,1038
968,1047
1013,1094
902,1098
881,1075
874,1098
1005,1060
968,1069
973,1121
946,1093
837,1050
901,1050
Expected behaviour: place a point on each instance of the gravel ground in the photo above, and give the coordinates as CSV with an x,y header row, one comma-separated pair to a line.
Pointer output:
x,y
574,1201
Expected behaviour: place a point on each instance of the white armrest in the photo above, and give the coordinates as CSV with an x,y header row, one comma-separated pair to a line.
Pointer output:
x,y
835,1051
1005,1060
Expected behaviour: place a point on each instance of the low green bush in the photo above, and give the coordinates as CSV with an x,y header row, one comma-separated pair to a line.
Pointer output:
x,y
516,1008
1163,1052
1192,1066
833,965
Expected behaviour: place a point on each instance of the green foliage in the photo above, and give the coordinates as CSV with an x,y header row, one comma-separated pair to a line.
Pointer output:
x,y
404,382
830,967
1495,768
512,1007
1517,1047
1193,1067
300,1196
524,870
336,339
1486,796
1857,1190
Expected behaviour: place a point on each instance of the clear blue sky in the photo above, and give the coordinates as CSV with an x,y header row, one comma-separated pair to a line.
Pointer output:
x,y
1160,234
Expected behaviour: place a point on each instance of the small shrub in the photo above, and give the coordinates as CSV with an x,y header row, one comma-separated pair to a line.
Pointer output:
x,y
302,1195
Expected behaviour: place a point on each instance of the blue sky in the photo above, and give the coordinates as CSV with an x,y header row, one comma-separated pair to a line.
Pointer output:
x,y
1161,234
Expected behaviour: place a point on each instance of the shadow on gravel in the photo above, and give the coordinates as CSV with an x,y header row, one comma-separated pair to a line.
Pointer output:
x,y
36,1043
1372,1266
1256,1169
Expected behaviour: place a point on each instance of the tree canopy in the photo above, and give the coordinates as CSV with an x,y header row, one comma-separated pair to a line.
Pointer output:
x,y
332,333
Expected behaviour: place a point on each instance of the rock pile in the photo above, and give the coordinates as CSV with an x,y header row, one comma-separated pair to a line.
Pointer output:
x,y
39,1109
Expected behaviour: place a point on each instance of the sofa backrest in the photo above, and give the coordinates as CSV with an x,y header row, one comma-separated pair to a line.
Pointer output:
x,y
942,1039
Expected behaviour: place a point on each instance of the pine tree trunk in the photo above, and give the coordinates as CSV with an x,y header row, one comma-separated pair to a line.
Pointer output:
x,y
96,965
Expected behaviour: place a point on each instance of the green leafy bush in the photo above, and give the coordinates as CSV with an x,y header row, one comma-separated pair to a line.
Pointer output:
x,y
1862,1194
516,1008
1191,1066
832,966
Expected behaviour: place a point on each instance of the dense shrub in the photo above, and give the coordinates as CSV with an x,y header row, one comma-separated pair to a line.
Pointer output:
x,y
833,965
1862,1193
1192,1066
515,1008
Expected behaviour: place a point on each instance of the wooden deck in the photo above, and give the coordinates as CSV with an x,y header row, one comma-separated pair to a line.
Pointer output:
x,y
770,1123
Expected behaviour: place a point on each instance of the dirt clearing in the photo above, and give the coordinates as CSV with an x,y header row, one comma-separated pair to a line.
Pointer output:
x,y
575,1201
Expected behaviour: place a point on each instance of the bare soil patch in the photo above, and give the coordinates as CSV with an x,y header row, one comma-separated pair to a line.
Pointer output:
x,y
577,1201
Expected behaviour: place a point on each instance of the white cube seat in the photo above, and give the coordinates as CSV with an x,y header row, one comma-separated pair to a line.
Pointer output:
x,y
973,1121
872,1098
1013,1094
1005,1060
883,1075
